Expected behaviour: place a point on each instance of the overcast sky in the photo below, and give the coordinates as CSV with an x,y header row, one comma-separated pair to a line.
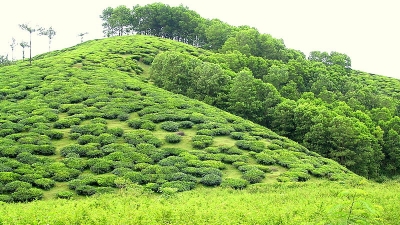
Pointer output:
x,y
366,30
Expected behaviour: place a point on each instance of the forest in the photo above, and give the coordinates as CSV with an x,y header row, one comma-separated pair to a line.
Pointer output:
x,y
319,101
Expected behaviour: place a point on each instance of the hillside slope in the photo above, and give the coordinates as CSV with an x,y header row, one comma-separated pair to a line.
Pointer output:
x,y
85,120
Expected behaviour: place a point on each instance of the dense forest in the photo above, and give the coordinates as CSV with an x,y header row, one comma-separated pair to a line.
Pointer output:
x,y
319,101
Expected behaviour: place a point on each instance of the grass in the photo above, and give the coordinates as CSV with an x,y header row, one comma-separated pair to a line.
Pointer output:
x,y
285,203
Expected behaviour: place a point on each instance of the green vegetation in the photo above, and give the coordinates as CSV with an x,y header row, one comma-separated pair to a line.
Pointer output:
x,y
90,121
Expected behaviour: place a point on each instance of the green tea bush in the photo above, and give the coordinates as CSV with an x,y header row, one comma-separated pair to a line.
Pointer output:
x,y
74,136
27,194
294,175
231,159
106,180
211,180
135,177
235,183
94,129
237,135
266,157
253,175
181,176
44,183
5,198
66,174
66,123
121,171
201,141
148,125
197,118
74,148
85,190
76,163
45,150
173,138
255,146
142,136
106,139
14,185
27,158
54,134
87,138
123,116
101,166
170,126
207,132
186,124
65,194
179,185
117,131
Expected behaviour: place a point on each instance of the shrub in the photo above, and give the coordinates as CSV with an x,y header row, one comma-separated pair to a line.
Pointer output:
x,y
76,163
44,183
101,166
65,194
265,158
106,139
173,138
54,134
65,174
255,146
148,125
116,131
135,123
85,190
27,158
6,198
94,129
170,126
237,135
14,185
135,177
106,180
253,175
186,124
201,141
45,150
27,194
179,185
211,180
74,148
66,123
123,116
235,183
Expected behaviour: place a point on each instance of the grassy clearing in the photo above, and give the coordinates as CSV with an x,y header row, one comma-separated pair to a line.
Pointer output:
x,y
288,203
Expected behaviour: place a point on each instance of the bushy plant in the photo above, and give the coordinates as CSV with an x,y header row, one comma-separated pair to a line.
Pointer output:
x,y
106,180
106,139
179,185
253,175
14,185
27,194
186,124
173,138
74,148
237,135
211,180
201,141
65,194
170,126
235,183
116,131
100,166
266,157
44,183
85,190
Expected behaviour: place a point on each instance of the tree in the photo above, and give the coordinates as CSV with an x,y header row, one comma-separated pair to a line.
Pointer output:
x,y
4,60
81,35
50,33
108,29
23,44
31,30
12,45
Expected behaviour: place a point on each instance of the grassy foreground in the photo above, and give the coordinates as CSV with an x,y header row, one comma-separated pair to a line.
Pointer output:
x,y
278,203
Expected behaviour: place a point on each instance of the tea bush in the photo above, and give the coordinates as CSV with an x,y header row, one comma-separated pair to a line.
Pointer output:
x,y
201,141
173,138
235,183
170,126
211,180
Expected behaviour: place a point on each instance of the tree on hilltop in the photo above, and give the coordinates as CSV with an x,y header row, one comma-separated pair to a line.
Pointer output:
x,y
24,45
12,45
50,33
81,35
31,30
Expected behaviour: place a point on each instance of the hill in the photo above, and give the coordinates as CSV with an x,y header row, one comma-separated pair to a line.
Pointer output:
x,y
86,120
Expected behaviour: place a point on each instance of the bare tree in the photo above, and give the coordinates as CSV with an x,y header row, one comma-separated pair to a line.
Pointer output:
x,y
30,30
12,45
81,35
50,33
23,44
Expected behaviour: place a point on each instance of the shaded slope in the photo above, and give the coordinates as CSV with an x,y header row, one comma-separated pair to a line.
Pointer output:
x,y
86,116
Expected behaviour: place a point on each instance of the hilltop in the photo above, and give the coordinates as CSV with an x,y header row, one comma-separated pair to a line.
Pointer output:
x,y
87,120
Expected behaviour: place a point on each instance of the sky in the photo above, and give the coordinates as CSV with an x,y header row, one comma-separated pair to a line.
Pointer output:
x,y
365,30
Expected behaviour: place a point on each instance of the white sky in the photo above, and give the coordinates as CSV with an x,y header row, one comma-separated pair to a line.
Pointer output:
x,y
366,30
